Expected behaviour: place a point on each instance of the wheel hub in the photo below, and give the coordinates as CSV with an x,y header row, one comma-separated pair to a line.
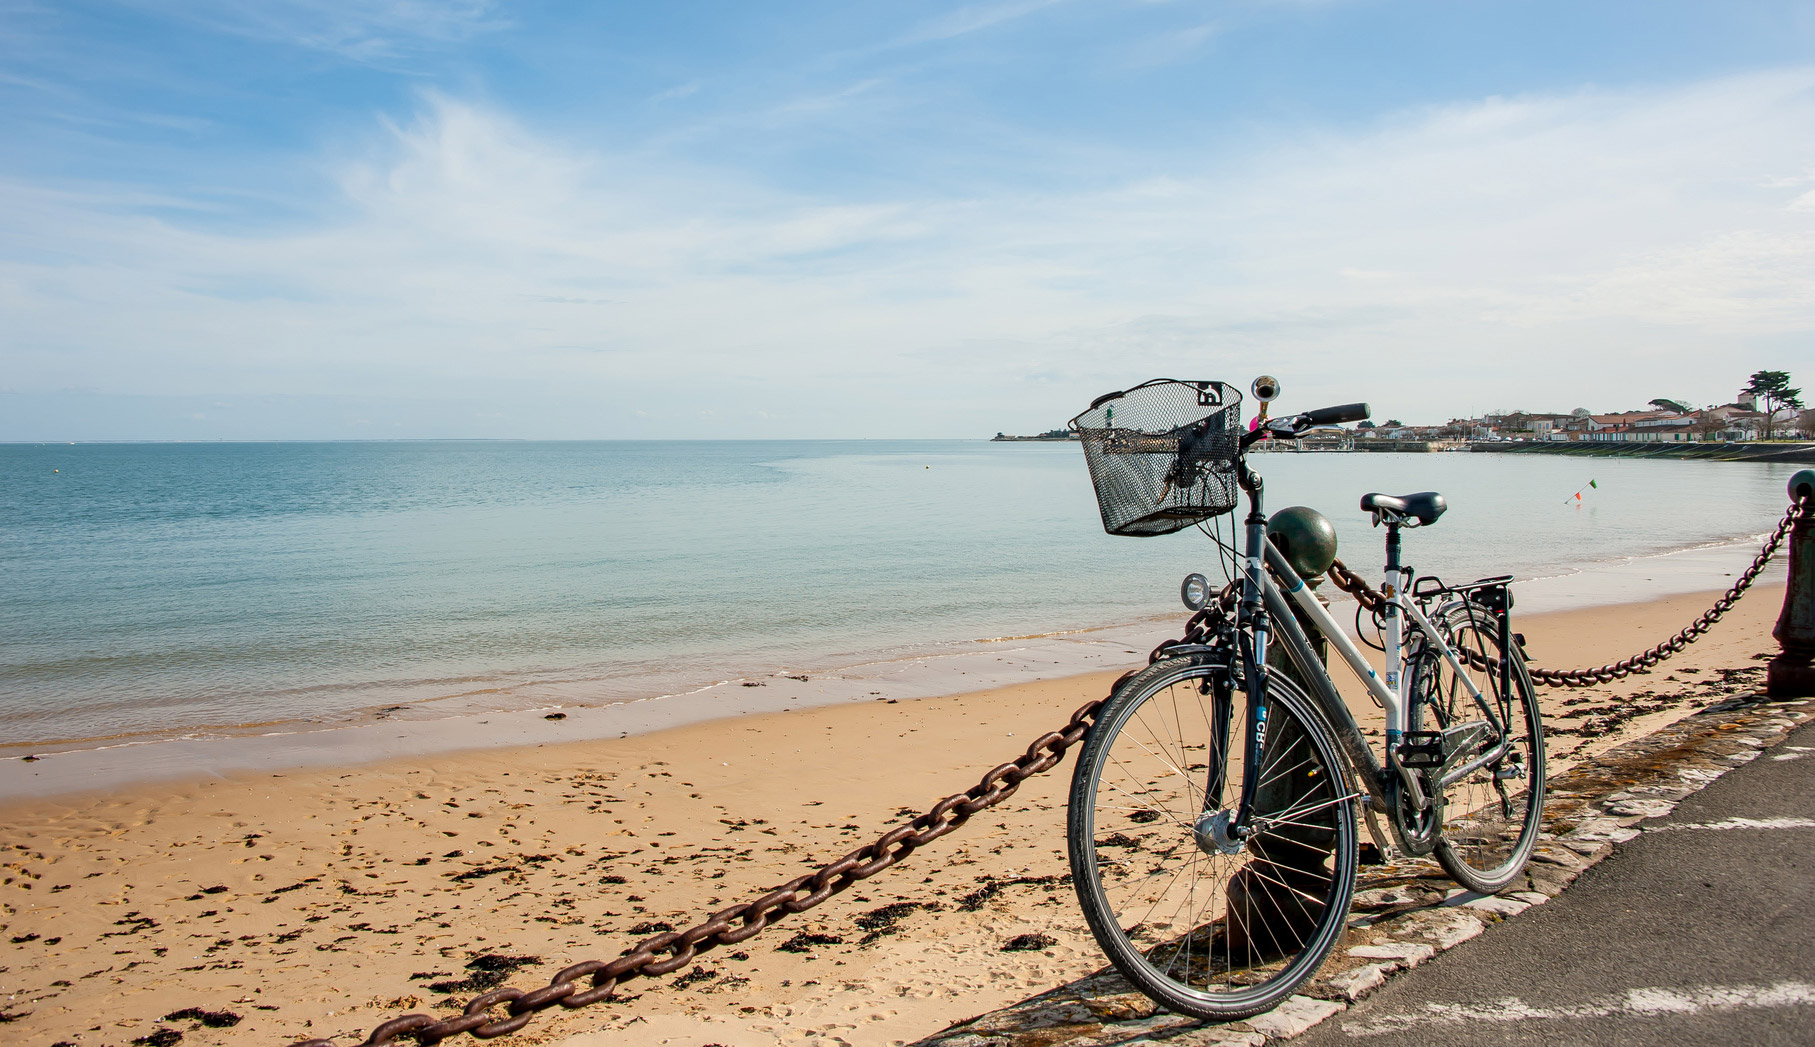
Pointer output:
x,y
1215,833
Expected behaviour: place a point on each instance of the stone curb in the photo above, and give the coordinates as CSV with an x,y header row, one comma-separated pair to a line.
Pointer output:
x,y
1406,912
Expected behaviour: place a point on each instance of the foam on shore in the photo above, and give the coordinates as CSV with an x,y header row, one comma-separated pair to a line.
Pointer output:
x,y
435,727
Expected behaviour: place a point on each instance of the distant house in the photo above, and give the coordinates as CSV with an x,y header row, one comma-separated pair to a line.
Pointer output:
x,y
1727,422
1543,426
1678,429
1664,427
1737,421
1730,422
1525,425
1626,425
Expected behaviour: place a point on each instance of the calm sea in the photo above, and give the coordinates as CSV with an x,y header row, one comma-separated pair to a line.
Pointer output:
x,y
179,587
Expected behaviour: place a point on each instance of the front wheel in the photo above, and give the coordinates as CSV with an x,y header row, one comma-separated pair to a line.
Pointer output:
x,y
1492,815
1204,923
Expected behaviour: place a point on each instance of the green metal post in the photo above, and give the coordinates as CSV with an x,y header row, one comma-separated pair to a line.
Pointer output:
x,y
1792,672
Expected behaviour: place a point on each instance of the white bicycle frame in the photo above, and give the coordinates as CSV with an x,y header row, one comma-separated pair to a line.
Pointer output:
x,y
1390,693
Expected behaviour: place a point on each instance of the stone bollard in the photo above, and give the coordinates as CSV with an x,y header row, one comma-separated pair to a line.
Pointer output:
x,y
1792,672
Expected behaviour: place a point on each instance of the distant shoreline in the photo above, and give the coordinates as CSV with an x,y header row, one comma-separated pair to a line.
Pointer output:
x,y
1753,451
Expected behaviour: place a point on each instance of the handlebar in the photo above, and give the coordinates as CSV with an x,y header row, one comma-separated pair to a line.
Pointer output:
x,y
1291,428
1331,415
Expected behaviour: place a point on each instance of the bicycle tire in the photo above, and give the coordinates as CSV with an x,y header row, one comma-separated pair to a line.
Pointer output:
x,y
1489,829
1284,897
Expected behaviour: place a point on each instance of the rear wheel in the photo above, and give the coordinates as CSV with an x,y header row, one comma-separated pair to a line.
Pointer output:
x,y
1492,815
1203,923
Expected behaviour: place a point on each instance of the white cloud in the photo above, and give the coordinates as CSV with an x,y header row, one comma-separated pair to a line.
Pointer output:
x,y
363,30
1168,47
975,18
1526,250
677,92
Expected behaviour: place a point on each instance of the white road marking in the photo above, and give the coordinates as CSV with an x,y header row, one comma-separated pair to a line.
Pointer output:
x,y
1795,752
1739,823
1634,1003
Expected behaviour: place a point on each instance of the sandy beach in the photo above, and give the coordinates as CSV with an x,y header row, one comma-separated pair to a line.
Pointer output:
x,y
317,901
487,486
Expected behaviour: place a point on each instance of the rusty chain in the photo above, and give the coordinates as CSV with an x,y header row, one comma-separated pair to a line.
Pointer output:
x,y
744,921
1371,600
670,951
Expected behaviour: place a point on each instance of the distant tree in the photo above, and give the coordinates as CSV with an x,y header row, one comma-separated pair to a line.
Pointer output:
x,y
1394,423
1364,424
1772,388
1678,406
1583,412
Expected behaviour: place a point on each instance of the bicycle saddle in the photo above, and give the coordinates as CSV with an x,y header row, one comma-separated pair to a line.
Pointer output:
x,y
1424,507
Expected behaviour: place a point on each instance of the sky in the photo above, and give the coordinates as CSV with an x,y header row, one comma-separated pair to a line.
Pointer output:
x,y
380,219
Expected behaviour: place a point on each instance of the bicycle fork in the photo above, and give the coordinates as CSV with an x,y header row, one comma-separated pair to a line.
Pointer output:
x,y
1252,643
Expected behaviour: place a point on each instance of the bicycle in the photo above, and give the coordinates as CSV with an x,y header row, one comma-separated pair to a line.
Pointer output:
x,y
1212,819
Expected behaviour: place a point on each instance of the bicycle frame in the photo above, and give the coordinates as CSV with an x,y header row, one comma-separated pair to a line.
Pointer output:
x,y
1390,693
1268,618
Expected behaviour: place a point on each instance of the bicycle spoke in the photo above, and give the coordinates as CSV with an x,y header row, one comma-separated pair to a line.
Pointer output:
x,y
1179,916
1148,807
1161,759
1133,777
1280,817
1269,779
1488,829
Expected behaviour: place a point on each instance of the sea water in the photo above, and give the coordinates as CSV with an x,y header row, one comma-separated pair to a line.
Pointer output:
x,y
165,588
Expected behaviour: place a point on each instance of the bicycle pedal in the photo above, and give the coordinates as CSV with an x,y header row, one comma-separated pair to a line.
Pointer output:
x,y
1421,749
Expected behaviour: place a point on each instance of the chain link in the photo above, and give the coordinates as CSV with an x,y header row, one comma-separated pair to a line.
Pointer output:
x,y
591,981
1371,600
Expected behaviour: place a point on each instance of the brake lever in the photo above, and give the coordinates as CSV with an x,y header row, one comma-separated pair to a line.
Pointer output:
x,y
1277,428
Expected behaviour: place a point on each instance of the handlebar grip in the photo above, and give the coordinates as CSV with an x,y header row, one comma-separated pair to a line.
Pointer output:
x,y
1335,415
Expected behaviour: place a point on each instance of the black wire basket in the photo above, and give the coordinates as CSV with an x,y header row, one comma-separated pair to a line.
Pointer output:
x,y
1162,455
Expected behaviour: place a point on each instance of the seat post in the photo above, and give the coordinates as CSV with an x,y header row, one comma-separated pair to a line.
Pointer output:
x,y
1392,635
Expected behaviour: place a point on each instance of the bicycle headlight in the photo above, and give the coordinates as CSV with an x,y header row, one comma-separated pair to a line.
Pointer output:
x,y
1195,591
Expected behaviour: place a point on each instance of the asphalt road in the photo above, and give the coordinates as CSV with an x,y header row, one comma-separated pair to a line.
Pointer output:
x,y
1699,931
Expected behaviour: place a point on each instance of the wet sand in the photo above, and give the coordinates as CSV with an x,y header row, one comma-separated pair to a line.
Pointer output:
x,y
318,901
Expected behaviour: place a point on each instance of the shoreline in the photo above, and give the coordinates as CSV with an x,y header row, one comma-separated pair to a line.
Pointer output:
x,y
319,901
37,770
1795,452
390,732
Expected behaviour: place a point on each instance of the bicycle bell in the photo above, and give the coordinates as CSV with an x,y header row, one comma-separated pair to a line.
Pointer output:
x,y
1266,388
